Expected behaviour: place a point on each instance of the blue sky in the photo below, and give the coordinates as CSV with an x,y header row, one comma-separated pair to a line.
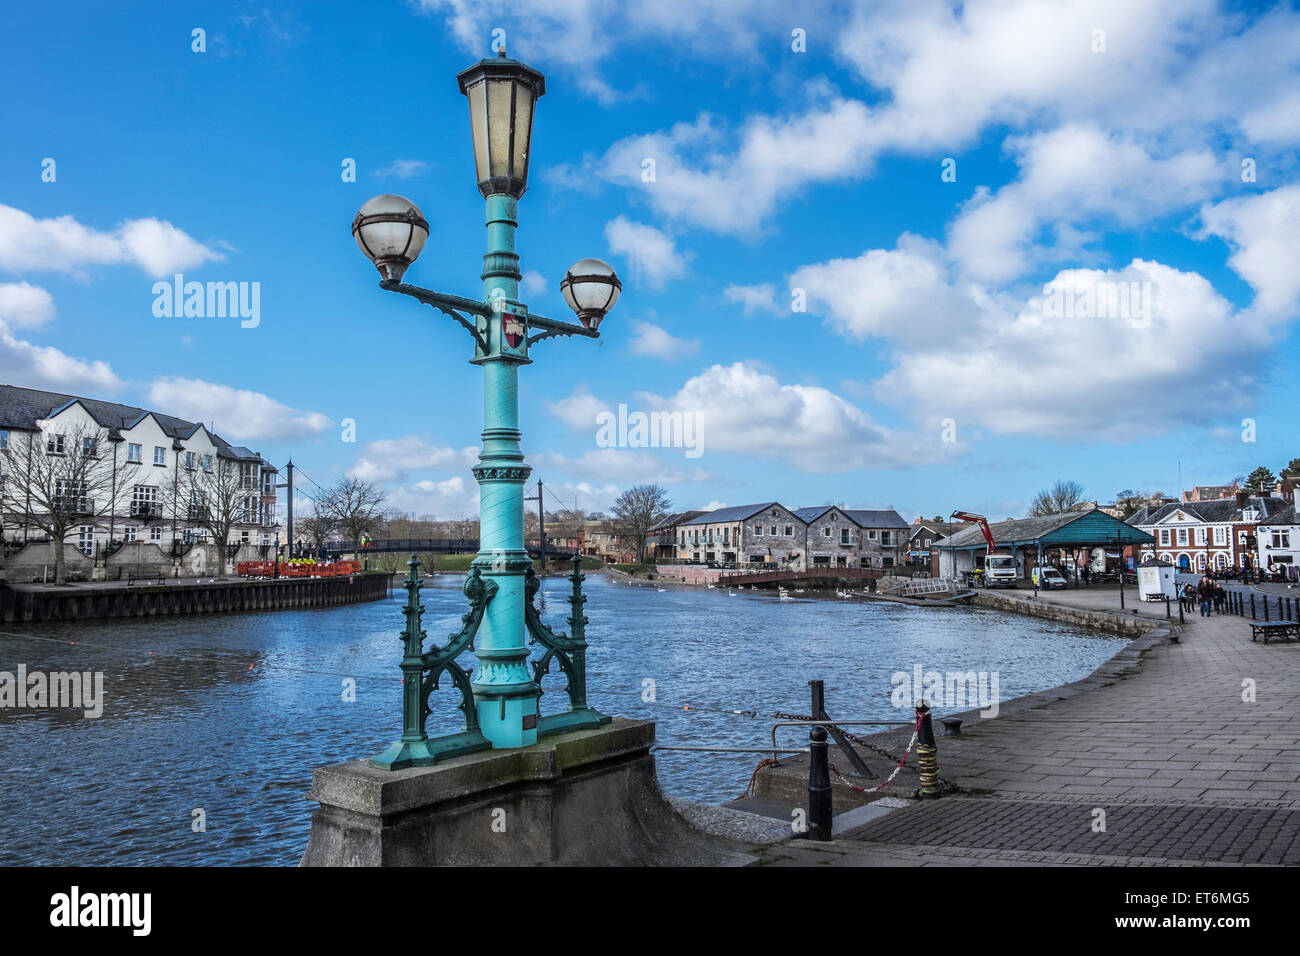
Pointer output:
x,y
1094,145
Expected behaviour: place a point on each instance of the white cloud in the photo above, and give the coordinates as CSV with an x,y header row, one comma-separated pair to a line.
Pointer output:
x,y
453,498
392,458
650,339
533,283
744,410
754,298
1264,233
23,305
1112,377
623,466
653,254
900,294
36,366
64,245
403,169
237,414
579,409
1069,176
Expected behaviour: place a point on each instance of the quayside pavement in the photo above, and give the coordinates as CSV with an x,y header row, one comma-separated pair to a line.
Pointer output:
x,y
1181,753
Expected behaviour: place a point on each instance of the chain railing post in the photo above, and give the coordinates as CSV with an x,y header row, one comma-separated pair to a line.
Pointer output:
x,y
927,753
819,785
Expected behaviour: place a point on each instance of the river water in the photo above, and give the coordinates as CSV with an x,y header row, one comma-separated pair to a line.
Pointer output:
x,y
228,714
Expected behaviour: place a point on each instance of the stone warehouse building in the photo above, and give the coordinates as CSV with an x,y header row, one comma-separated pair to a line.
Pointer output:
x,y
770,533
134,487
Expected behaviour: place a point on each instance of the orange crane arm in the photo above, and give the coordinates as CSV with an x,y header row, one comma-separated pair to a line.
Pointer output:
x,y
980,520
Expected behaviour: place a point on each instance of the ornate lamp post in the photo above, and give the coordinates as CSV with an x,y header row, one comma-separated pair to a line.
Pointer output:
x,y
391,231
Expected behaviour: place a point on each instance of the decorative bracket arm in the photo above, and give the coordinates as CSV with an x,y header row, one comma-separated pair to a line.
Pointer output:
x,y
452,305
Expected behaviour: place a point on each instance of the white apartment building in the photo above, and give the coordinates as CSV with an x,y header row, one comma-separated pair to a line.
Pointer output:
x,y
153,453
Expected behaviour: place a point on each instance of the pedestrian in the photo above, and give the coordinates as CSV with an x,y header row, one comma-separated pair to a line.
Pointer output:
x,y
1220,598
1205,594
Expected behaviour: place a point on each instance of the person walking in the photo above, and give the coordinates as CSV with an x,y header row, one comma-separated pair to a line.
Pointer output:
x,y
1220,598
1205,594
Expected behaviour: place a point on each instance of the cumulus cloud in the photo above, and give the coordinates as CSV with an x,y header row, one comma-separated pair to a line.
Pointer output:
x,y
1105,371
1070,176
652,253
455,497
23,305
1264,234
579,409
37,366
624,466
236,414
742,409
392,458
62,244
649,339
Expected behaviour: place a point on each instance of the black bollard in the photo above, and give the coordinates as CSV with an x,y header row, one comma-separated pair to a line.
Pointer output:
x,y
1265,603
927,754
819,785
1180,613
952,726
1252,607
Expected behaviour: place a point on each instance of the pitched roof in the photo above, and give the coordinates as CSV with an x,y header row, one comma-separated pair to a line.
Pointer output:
x,y
888,518
734,513
21,408
673,520
1020,530
1215,510
942,528
1286,516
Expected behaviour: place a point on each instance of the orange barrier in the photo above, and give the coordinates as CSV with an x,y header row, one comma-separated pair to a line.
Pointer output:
x,y
266,569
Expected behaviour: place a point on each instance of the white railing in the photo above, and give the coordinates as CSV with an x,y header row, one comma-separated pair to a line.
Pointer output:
x,y
930,586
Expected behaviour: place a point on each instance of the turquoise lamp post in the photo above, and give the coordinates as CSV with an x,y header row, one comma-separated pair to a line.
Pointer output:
x,y
391,231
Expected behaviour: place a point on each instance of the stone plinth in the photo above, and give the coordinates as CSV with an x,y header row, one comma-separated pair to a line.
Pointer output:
x,y
589,797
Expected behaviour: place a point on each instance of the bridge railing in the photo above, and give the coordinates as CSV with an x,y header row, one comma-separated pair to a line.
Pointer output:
x,y
417,545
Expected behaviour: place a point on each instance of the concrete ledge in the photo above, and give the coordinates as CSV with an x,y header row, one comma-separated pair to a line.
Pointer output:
x,y
588,797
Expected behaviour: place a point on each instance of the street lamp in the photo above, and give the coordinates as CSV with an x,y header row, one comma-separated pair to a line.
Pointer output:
x,y
391,231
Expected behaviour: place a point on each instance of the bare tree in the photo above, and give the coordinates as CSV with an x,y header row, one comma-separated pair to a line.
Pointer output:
x,y
637,510
59,482
1063,496
214,497
358,507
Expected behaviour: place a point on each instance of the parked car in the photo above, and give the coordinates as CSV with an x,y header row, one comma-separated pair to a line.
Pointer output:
x,y
1048,578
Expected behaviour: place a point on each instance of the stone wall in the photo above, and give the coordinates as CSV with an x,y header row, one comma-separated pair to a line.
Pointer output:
x,y
35,562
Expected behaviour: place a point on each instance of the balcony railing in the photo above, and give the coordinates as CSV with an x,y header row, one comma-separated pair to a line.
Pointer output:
x,y
197,512
75,504
146,509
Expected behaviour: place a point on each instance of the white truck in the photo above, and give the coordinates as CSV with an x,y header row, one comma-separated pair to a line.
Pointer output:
x,y
999,569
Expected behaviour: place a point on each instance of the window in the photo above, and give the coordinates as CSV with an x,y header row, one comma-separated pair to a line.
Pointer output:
x,y
826,531
758,531
86,540
887,562
155,534
884,538
789,530
844,536
54,444
4,439
189,460
159,455
90,447
1220,536
772,530
927,542
872,534
1282,539
1164,537
207,463
132,452
1182,536
1200,536
128,534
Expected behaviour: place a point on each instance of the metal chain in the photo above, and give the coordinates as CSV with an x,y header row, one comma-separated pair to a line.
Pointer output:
x,y
915,734
851,736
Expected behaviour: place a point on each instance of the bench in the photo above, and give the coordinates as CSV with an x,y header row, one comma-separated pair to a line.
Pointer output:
x,y
154,578
1283,630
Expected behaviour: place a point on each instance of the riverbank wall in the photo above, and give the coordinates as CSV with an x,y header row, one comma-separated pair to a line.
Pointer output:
x,y
1108,621
87,602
